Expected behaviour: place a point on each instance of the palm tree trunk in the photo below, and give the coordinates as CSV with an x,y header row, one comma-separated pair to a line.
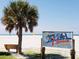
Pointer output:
x,y
20,40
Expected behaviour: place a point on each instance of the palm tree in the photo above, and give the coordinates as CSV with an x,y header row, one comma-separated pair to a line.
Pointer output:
x,y
18,15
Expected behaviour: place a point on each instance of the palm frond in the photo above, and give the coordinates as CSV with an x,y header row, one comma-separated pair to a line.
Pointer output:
x,y
20,14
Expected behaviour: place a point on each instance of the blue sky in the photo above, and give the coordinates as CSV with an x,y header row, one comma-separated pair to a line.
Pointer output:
x,y
54,15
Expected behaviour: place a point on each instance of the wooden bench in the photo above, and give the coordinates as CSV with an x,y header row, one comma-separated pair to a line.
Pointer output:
x,y
11,46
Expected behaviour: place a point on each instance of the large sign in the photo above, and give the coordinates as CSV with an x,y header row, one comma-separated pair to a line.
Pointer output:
x,y
57,39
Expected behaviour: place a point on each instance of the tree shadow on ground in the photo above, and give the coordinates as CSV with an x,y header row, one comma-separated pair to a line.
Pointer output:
x,y
47,56
5,53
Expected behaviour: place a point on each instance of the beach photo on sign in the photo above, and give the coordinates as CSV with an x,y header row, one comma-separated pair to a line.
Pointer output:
x,y
57,39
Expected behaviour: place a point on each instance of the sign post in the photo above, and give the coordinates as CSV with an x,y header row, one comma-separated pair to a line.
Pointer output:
x,y
43,53
42,50
59,39
73,50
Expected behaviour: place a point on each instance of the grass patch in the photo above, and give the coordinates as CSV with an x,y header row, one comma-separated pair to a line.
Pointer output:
x,y
29,52
6,55
35,55
32,54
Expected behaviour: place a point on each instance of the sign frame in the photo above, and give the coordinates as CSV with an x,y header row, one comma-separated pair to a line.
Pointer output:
x,y
54,33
